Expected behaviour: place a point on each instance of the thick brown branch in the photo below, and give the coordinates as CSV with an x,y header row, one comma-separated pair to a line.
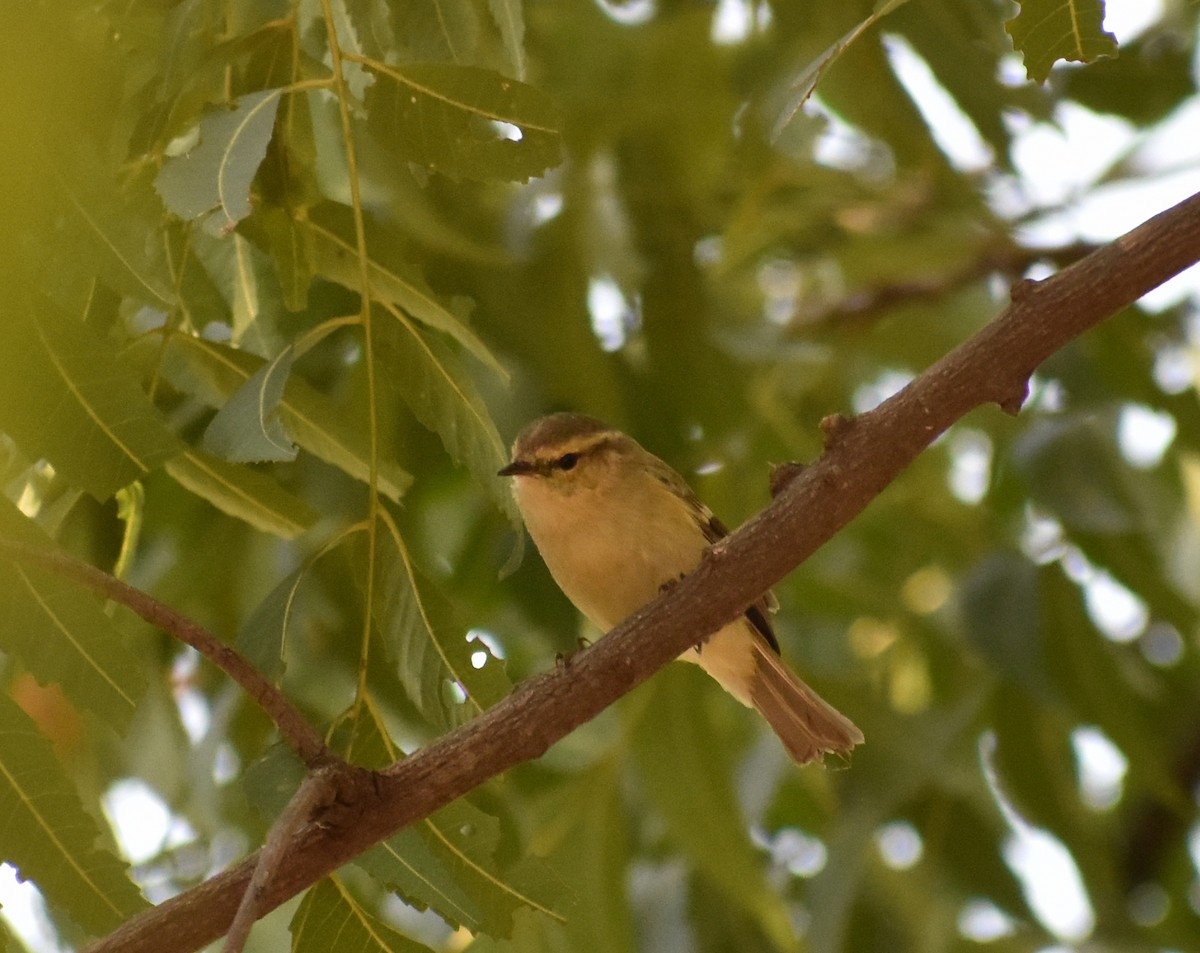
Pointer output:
x,y
297,732
861,459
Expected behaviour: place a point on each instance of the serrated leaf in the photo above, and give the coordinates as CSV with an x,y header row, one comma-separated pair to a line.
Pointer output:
x,y
61,634
397,284
464,121
448,862
212,180
403,862
248,429
432,654
243,493
48,836
121,228
1049,30
329,918
65,396
809,76
466,841
422,371
212,372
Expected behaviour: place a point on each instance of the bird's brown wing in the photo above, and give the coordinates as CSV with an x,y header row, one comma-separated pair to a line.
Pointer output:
x,y
714,530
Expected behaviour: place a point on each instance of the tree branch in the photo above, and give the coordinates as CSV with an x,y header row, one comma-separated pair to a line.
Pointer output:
x,y
291,724
862,456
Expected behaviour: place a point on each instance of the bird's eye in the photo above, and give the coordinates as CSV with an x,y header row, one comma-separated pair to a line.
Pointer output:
x,y
567,461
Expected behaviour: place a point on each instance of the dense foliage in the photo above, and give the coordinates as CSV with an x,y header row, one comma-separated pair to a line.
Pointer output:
x,y
281,280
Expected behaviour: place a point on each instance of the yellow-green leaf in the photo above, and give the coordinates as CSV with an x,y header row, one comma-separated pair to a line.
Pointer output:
x,y
48,836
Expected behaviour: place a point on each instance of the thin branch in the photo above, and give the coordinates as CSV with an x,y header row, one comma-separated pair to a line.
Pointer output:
x,y
862,456
291,724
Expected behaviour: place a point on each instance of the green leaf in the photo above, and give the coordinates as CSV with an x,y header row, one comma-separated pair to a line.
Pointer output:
x,y
1002,617
450,862
422,371
243,493
403,862
466,841
118,226
212,180
263,637
247,429
464,121
1049,30
213,372
329,918
432,653
61,634
809,76
689,786
65,396
395,283
48,836
509,16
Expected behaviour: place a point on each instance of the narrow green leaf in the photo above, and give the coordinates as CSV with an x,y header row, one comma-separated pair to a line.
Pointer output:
x,y
692,792
404,861
213,372
118,225
466,841
48,836
422,371
248,429
810,75
434,656
65,396
329,918
1049,30
509,16
61,634
397,284
212,180
464,121
243,493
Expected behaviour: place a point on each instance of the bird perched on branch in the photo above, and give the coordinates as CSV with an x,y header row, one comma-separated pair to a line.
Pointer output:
x,y
615,526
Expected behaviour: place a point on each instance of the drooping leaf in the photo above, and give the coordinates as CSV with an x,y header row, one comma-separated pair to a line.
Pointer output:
x,y
403,862
329,918
248,429
435,658
48,836
464,121
212,179
809,76
118,228
466,841
422,371
213,372
60,632
693,794
1049,30
67,397
244,493
395,283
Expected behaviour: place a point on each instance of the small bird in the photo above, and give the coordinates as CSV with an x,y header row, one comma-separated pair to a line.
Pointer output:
x,y
615,526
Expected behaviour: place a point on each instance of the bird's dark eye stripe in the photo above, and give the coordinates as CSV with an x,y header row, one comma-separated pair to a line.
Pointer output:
x,y
567,461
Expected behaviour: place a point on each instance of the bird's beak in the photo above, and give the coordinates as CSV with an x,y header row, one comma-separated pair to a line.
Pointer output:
x,y
516,468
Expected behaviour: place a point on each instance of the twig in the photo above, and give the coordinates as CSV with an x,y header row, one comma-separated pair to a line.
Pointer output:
x,y
316,792
295,730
